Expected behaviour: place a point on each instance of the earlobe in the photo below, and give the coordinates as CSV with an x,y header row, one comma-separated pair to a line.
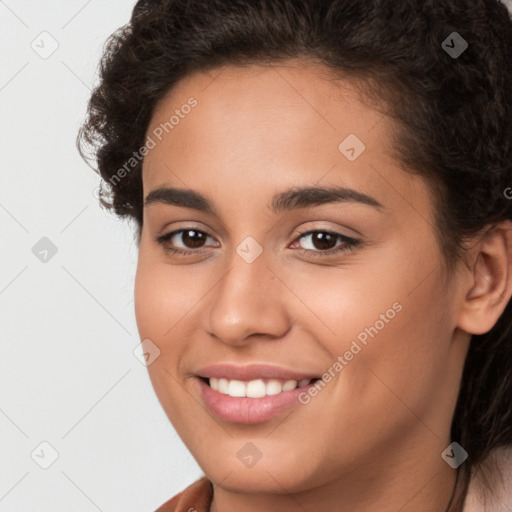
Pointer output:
x,y
490,281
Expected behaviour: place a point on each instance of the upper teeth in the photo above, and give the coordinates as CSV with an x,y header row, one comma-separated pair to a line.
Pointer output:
x,y
254,388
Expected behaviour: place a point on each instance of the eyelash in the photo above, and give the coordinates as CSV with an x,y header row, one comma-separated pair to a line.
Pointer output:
x,y
349,243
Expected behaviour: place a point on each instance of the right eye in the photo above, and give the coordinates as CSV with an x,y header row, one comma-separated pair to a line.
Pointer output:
x,y
191,239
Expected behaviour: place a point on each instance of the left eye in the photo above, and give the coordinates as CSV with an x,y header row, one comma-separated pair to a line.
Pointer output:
x,y
323,242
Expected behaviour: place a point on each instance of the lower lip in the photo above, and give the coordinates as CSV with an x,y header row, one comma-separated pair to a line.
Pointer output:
x,y
249,410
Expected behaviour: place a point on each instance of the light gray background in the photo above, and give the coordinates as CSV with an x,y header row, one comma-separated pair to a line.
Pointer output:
x,y
67,372
68,375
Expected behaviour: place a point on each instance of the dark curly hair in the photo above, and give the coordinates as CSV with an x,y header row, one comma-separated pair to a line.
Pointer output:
x,y
454,116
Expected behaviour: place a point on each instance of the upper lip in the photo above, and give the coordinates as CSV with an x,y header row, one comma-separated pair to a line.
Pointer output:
x,y
252,372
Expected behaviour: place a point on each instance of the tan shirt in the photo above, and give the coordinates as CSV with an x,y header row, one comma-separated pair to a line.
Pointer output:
x,y
197,497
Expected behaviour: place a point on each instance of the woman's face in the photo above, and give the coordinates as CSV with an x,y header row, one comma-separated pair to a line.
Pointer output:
x,y
347,286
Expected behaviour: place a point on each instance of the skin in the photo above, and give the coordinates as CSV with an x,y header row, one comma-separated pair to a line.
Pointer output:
x,y
372,439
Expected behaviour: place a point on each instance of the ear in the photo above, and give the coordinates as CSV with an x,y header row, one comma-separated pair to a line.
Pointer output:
x,y
489,284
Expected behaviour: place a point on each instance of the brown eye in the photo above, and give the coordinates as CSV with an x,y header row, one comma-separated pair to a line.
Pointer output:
x,y
183,241
322,240
324,243
192,238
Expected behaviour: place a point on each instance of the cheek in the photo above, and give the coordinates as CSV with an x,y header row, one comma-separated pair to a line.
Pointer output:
x,y
162,301
390,329
340,305
162,298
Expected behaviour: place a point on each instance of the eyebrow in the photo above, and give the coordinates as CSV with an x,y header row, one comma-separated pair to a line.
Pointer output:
x,y
291,199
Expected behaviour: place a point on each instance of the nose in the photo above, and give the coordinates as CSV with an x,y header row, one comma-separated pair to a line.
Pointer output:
x,y
248,301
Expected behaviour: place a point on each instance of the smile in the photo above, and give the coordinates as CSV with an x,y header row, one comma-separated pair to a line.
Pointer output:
x,y
255,388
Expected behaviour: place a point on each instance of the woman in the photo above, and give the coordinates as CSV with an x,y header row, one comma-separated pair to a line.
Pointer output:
x,y
321,192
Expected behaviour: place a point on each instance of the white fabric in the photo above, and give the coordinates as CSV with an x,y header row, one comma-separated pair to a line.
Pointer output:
x,y
497,471
508,3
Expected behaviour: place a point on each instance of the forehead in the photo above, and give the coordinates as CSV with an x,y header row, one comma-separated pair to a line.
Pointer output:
x,y
272,95
264,126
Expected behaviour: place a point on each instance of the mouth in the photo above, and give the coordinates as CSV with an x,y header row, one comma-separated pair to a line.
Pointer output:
x,y
249,402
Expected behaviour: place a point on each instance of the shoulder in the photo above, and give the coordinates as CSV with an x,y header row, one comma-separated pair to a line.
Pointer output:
x,y
490,487
195,498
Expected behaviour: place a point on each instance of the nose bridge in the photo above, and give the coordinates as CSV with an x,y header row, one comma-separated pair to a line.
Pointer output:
x,y
247,300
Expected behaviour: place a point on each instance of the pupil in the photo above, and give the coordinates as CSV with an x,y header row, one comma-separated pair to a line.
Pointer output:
x,y
323,240
195,240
